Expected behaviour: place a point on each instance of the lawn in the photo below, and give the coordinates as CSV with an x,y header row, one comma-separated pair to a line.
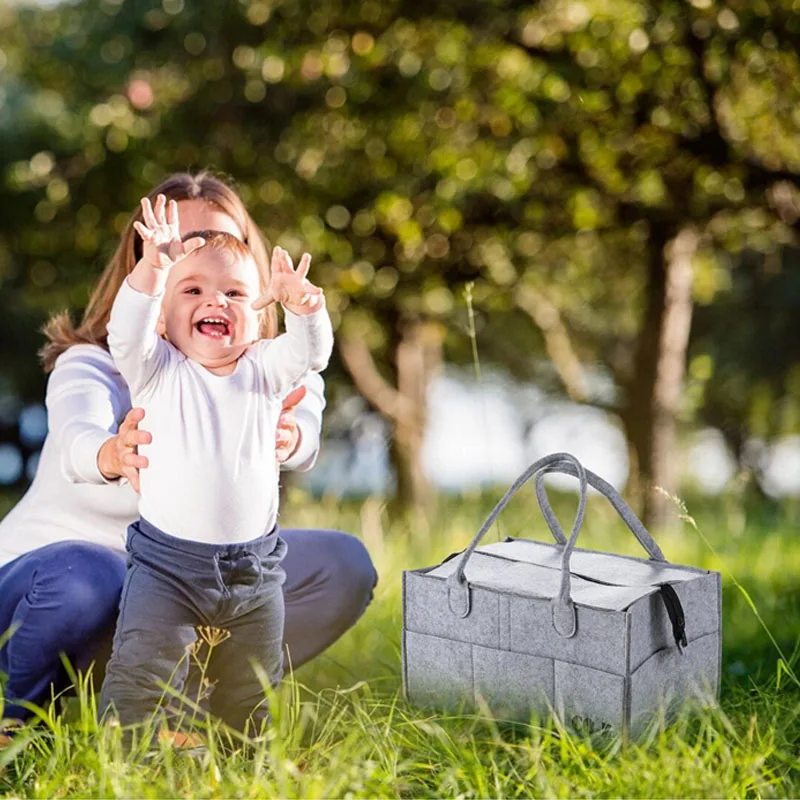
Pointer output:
x,y
342,729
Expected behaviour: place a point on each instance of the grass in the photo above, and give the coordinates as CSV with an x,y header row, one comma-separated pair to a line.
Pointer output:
x,y
342,729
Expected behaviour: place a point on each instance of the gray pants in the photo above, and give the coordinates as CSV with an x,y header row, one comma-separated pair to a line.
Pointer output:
x,y
178,593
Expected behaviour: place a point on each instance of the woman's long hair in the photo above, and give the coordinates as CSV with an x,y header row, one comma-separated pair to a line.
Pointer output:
x,y
60,331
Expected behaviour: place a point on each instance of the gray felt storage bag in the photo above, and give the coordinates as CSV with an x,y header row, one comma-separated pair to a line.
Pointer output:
x,y
528,628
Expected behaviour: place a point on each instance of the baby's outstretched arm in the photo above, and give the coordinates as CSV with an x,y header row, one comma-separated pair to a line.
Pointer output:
x,y
162,246
137,349
289,286
307,344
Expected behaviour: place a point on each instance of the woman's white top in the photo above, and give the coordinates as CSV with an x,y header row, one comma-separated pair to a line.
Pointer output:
x,y
69,500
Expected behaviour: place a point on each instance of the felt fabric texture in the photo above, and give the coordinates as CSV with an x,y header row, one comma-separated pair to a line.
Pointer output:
x,y
669,680
593,564
651,630
501,677
442,675
586,695
526,578
509,652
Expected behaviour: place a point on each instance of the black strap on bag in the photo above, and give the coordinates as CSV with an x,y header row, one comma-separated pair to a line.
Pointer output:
x,y
675,613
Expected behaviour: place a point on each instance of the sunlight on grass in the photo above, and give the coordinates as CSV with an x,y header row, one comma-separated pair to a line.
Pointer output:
x,y
341,727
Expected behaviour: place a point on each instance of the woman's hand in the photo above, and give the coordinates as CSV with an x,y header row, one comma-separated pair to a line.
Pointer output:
x,y
287,436
118,457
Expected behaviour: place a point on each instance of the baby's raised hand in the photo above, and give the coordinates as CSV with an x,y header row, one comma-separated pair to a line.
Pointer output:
x,y
161,237
289,286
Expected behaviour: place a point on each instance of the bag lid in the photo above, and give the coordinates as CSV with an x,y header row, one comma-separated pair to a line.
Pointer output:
x,y
533,569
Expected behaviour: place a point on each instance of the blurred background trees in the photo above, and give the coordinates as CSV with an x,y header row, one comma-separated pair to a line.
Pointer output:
x,y
616,180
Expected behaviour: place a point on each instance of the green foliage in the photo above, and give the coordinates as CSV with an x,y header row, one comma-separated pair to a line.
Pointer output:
x,y
746,380
411,147
342,729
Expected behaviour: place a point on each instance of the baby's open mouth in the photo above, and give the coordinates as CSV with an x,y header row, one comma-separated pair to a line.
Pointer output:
x,y
216,327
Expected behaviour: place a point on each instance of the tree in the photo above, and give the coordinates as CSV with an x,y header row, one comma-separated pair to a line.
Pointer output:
x,y
654,127
592,167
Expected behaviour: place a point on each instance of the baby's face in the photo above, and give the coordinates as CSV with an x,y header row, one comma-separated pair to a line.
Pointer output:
x,y
206,311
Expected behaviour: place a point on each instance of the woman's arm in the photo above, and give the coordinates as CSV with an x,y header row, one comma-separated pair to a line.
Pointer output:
x,y
85,399
308,420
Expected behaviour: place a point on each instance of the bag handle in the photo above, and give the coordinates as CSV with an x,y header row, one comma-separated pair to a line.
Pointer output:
x,y
630,519
563,607
457,584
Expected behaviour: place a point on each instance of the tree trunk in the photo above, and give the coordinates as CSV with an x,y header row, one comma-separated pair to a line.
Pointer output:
x,y
418,358
654,395
565,360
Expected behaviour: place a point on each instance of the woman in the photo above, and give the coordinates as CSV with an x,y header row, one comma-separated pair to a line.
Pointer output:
x,y
62,547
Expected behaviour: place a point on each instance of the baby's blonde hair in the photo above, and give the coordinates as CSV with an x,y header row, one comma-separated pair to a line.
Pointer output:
x,y
60,331
223,240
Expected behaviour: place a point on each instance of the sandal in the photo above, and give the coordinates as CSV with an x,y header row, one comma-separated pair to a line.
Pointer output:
x,y
191,743
180,739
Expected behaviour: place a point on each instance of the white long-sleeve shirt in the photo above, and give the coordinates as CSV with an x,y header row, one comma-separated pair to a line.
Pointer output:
x,y
213,475
69,500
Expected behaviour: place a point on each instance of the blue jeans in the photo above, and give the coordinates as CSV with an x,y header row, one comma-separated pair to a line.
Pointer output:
x,y
64,598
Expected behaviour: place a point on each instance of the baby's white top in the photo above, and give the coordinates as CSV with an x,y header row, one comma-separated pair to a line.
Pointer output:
x,y
213,476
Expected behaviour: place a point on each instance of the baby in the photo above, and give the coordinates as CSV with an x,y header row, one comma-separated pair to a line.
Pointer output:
x,y
206,552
